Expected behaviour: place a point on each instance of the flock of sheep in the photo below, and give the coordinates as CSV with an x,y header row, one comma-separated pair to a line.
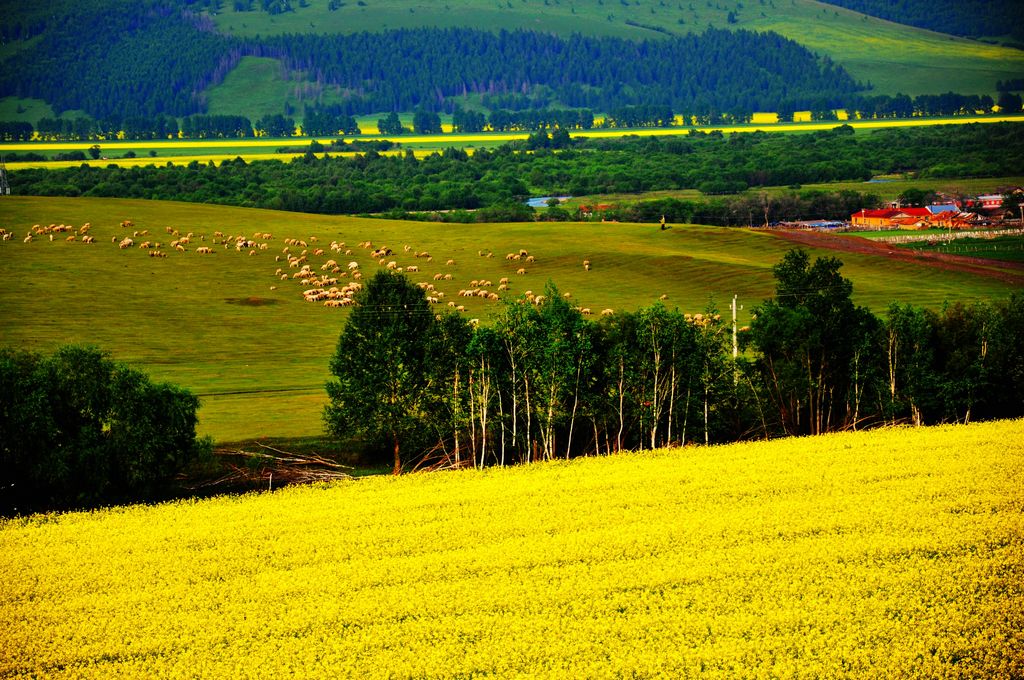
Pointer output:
x,y
325,281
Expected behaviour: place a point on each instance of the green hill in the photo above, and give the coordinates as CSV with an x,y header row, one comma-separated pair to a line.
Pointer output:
x,y
136,60
893,57
226,326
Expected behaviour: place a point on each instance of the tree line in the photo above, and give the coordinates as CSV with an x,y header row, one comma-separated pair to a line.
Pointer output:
x,y
501,178
78,429
333,119
544,381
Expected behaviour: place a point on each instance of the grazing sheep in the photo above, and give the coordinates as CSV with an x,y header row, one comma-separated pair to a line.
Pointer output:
x,y
448,277
450,263
607,312
520,271
585,311
663,296
412,269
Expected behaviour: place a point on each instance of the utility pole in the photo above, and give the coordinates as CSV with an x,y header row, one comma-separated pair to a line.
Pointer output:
x,y
735,344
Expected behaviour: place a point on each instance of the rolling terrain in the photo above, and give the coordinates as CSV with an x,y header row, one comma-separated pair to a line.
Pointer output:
x,y
237,78
891,57
227,327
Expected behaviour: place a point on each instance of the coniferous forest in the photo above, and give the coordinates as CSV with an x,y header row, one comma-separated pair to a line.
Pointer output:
x,y
125,58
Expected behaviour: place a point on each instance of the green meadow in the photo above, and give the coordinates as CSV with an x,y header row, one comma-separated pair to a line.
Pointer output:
x,y
226,326
1004,248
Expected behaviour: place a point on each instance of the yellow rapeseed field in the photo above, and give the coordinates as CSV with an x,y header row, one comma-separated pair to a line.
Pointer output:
x,y
893,553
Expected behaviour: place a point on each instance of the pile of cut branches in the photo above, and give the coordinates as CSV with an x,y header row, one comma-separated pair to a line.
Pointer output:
x,y
272,467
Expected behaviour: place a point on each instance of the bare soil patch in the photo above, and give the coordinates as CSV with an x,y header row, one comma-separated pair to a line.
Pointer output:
x,y
251,301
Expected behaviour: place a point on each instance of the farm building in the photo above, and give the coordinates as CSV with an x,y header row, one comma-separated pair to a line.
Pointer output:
x,y
945,215
873,219
889,218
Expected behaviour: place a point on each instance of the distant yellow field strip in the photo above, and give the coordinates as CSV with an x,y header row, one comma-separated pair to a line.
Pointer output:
x,y
114,146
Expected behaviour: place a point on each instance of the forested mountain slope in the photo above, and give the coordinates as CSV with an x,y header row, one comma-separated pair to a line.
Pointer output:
x,y
894,57
168,56
127,58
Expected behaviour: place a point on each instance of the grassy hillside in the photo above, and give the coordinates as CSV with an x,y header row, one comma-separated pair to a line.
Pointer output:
x,y
893,553
259,355
893,57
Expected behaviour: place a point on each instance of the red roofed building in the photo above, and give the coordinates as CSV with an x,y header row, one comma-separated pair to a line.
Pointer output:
x,y
889,218
873,219
911,218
